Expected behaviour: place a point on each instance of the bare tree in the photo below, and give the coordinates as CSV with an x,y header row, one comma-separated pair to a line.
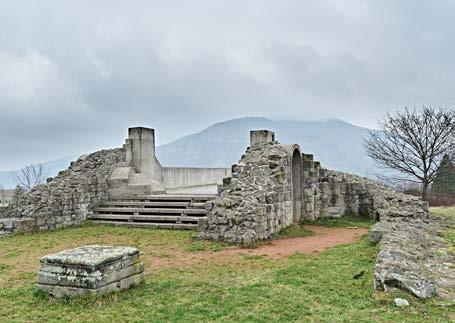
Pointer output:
x,y
413,143
30,176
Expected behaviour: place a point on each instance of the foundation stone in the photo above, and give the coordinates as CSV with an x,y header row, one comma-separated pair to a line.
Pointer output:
x,y
90,270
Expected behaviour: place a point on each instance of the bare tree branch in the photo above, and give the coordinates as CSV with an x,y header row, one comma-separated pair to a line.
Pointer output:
x,y
413,143
30,176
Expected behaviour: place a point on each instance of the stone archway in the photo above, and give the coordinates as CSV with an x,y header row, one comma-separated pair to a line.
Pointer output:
x,y
297,189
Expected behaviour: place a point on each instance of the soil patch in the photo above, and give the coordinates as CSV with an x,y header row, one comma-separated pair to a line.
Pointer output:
x,y
322,239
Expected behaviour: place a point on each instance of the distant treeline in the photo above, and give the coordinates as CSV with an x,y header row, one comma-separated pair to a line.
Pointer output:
x,y
442,191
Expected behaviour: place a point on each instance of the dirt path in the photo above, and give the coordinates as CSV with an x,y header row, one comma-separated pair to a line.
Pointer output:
x,y
322,239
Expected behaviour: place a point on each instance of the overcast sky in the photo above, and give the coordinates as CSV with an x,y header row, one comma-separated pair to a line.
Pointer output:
x,y
75,74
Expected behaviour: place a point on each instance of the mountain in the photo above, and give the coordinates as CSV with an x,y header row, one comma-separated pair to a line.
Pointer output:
x,y
51,168
337,144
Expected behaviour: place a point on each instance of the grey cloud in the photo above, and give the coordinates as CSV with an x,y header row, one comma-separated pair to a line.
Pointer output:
x,y
74,75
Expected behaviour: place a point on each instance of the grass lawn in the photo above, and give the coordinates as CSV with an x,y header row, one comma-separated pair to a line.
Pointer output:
x,y
444,211
344,222
194,281
450,236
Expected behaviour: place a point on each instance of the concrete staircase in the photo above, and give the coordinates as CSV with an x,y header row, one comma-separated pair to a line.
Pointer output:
x,y
163,211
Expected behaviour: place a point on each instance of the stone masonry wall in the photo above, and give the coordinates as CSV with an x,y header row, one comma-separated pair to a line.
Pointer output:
x,y
66,199
329,193
413,254
255,202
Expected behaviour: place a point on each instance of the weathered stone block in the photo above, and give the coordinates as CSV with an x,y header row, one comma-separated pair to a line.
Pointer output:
x,y
91,269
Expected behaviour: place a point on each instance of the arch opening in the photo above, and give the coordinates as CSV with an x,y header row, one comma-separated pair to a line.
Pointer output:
x,y
297,183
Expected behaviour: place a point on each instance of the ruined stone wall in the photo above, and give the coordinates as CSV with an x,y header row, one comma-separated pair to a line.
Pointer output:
x,y
66,199
413,254
311,193
255,202
329,193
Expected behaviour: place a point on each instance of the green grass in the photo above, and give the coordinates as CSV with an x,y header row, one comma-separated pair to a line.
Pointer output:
x,y
448,212
343,222
444,211
226,287
451,240
294,231
201,245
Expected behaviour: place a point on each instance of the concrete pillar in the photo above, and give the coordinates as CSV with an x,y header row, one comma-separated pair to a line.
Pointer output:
x,y
142,141
261,136
127,147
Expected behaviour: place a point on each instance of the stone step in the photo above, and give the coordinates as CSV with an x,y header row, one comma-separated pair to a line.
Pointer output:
x,y
197,205
148,210
159,204
167,211
177,226
143,218
167,197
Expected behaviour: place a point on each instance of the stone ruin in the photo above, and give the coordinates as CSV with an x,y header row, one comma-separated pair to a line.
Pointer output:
x,y
274,185
271,187
413,254
108,175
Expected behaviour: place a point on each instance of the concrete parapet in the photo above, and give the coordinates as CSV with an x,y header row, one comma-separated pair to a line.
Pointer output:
x,y
177,177
142,174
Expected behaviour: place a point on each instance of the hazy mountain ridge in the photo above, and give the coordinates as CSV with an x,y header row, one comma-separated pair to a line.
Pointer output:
x,y
337,144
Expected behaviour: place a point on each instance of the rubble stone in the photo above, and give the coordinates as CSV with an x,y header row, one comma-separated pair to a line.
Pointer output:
x,y
413,255
400,302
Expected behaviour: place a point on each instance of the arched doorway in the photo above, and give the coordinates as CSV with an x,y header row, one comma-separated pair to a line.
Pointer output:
x,y
297,191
